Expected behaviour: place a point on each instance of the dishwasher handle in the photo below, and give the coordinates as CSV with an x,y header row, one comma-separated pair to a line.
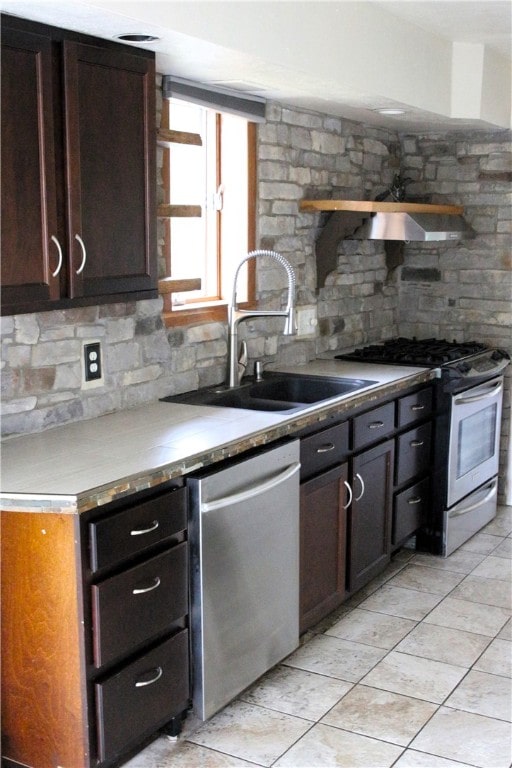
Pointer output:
x,y
256,490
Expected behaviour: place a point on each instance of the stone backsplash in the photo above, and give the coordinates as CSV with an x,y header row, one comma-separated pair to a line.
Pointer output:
x,y
457,291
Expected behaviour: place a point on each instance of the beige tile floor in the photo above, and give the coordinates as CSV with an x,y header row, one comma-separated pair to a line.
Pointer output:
x,y
414,670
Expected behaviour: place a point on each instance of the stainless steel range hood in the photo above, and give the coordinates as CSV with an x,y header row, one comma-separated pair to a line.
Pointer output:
x,y
412,226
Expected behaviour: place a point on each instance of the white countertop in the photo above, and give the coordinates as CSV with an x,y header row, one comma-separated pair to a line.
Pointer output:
x,y
81,465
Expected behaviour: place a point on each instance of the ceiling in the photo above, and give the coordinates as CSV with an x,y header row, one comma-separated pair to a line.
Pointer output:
x,y
447,63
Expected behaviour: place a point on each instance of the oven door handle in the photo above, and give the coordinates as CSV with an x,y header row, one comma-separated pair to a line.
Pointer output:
x,y
492,492
497,387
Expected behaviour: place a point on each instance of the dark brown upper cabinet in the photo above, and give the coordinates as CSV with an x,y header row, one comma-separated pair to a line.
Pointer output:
x,y
78,170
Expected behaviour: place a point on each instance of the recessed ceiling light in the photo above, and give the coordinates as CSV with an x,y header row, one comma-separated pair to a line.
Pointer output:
x,y
136,37
390,111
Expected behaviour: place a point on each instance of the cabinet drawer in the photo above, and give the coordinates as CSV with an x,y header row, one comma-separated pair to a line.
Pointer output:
x,y
324,449
410,510
414,407
413,453
138,604
373,425
127,533
142,697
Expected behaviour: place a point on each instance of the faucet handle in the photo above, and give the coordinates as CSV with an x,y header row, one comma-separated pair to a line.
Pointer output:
x,y
242,360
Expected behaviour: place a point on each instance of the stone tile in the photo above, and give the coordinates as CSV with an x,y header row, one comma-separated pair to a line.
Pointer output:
x,y
483,694
497,658
504,549
502,523
481,543
371,628
506,632
413,759
491,592
250,733
471,617
297,692
397,601
495,568
452,646
165,752
413,676
464,736
458,562
334,657
425,579
380,714
331,748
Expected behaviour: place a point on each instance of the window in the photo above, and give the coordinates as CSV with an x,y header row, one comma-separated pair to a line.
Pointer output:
x,y
217,177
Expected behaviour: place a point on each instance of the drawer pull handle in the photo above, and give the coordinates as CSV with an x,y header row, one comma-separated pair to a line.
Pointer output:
x,y
417,407
416,443
326,448
414,500
376,425
140,531
362,487
142,683
349,489
143,590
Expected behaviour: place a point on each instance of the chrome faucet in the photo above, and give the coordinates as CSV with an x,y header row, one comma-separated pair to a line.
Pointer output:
x,y
235,316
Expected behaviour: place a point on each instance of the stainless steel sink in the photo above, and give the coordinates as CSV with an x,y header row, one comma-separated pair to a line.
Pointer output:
x,y
277,392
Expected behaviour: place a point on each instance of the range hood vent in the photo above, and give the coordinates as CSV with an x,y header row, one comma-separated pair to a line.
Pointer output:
x,y
412,226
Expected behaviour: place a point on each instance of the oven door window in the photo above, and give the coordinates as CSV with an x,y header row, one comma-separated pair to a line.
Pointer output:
x,y
476,440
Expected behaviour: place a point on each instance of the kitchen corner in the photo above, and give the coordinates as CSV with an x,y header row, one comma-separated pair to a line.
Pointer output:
x,y
305,566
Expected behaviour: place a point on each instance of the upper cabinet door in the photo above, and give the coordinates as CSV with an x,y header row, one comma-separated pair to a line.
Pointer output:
x,y
32,248
110,137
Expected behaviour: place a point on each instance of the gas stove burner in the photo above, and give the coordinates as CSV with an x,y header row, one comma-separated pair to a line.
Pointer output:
x,y
404,351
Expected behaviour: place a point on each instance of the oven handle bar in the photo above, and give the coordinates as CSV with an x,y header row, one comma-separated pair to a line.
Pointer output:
x,y
497,387
492,492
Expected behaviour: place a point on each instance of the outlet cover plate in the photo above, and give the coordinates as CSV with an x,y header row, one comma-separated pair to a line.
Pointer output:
x,y
92,364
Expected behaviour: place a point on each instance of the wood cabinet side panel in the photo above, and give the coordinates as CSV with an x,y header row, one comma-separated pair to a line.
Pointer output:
x,y
43,688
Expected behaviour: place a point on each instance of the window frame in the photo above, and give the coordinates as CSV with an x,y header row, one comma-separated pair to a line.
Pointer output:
x,y
217,312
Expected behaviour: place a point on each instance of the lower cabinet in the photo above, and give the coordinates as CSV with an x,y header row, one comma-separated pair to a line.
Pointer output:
x,y
322,545
95,639
369,515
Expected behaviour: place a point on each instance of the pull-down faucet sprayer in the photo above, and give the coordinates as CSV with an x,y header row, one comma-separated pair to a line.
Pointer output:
x,y
236,316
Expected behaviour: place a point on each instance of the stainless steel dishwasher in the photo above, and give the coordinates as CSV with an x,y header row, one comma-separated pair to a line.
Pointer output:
x,y
244,545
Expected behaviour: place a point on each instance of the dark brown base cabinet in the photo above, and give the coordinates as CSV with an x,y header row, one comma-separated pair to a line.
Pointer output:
x,y
369,515
78,169
323,545
95,640
365,489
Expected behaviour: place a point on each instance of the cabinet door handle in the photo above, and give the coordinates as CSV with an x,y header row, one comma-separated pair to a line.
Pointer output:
x,y
417,407
141,531
349,489
414,500
143,590
59,251
376,425
416,443
84,254
362,487
141,683
326,448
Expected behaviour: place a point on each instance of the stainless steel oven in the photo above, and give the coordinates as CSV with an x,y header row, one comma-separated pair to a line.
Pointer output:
x,y
473,454
467,414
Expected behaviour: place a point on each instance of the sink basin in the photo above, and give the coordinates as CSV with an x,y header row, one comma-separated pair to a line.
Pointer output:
x,y
305,389
279,392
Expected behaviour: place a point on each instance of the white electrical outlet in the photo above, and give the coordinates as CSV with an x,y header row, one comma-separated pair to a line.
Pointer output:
x,y
306,321
92,364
